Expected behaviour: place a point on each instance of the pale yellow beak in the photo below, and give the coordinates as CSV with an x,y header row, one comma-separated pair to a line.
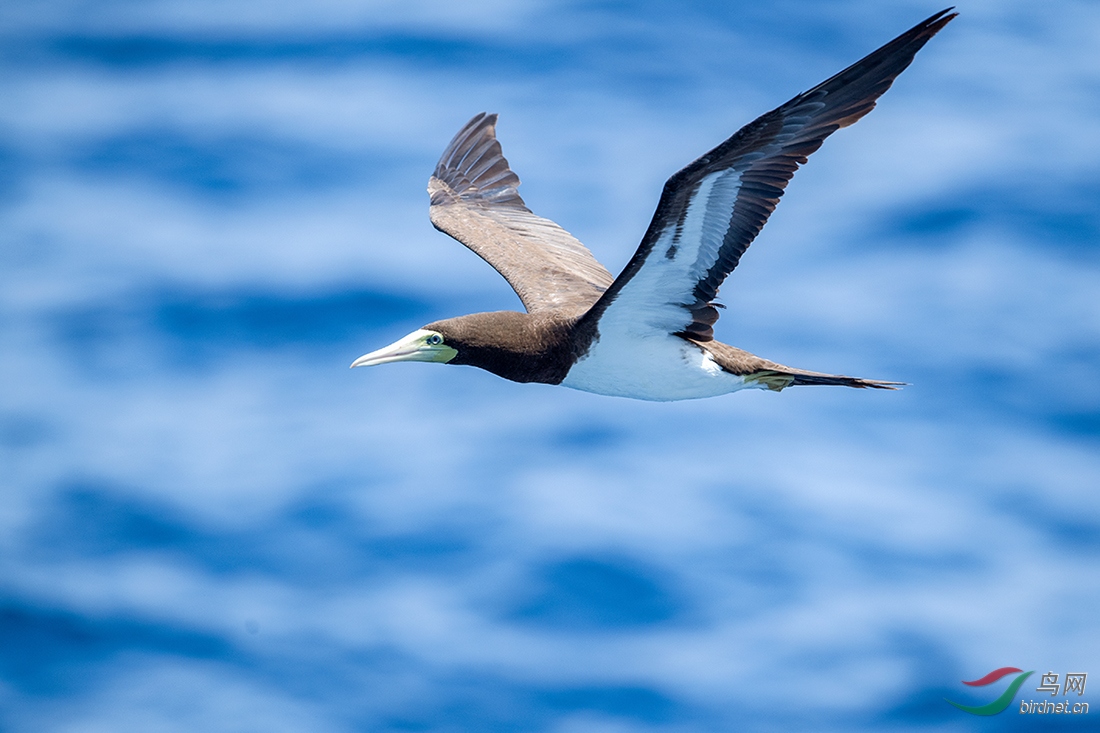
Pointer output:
x,y
417,346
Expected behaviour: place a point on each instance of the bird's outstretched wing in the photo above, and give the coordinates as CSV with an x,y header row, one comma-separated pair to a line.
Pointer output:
x,y
474,199
711,210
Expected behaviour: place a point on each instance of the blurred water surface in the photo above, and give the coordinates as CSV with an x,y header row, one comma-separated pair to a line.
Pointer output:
x,y
209,523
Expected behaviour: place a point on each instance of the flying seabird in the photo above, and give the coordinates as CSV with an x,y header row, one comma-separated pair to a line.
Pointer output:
x,y
647,333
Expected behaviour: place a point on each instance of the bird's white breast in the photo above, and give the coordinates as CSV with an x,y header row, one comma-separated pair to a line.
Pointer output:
x,y
657,367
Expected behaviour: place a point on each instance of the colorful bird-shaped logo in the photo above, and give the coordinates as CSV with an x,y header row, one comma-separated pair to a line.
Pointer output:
x,y
1001,702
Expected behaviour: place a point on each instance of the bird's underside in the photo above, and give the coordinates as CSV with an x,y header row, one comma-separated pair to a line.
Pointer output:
x,y
675,367
647,333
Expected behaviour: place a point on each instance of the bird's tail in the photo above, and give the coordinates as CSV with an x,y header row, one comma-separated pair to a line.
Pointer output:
x,y
779,379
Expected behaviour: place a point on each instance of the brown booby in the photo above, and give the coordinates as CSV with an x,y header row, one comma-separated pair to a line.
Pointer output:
x,y
647,333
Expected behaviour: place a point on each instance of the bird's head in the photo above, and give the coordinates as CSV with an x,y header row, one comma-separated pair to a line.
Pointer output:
x,y
464,340
423,344
509,344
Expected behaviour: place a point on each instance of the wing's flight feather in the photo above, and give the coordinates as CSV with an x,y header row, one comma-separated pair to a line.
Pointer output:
x,y
474,199
710,211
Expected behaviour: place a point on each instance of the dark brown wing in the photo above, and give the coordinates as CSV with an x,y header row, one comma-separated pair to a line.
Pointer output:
x,y
711,210
474,199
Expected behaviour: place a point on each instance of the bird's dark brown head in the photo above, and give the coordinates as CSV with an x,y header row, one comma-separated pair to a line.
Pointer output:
x,y
516,346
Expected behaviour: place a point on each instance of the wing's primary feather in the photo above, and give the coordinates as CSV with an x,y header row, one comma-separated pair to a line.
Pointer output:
x,y
711,210
474,199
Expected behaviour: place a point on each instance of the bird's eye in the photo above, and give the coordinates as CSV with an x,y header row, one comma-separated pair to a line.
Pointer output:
x,y
435,339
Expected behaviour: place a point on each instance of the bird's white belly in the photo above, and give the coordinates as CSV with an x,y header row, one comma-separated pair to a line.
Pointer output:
x,y
658,367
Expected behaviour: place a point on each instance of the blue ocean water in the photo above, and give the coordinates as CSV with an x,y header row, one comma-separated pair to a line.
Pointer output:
x,y
208,210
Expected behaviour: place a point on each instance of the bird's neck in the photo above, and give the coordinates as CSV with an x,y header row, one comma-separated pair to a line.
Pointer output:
x,y
522,347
